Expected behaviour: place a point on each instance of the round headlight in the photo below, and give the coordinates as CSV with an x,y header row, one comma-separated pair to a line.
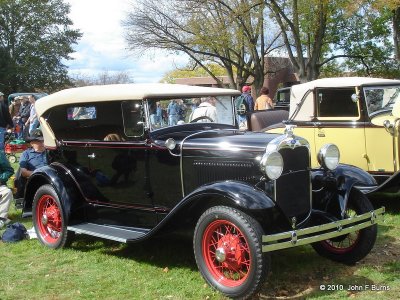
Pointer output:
x,y
272,164
329,156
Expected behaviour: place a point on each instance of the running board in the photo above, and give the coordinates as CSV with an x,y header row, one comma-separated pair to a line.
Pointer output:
x,y
109,232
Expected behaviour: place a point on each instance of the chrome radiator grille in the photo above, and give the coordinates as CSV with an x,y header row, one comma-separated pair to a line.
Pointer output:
x,y
293,188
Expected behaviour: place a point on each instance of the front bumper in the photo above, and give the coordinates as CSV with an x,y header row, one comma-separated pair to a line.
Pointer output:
x,y
322,232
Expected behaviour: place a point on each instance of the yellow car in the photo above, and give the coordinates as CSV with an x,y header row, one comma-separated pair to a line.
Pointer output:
x,y
360,115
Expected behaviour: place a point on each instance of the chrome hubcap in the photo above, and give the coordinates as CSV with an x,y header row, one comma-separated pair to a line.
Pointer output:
x,y
44,220
220,254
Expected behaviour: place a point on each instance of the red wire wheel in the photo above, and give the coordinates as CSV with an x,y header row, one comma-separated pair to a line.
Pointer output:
x,y
354,246
344,245
226,252
48,219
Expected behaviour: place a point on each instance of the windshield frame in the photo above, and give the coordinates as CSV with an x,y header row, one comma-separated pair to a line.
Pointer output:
x,y
222,101
384,107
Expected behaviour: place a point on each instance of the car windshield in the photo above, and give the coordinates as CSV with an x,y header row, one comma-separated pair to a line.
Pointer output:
x,y
381,98
179,111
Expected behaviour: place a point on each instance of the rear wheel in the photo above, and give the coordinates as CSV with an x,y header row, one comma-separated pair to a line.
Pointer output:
x,y
354,246
227,248
49,218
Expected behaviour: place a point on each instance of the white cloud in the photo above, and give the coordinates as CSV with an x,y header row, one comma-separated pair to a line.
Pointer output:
x,y
102,46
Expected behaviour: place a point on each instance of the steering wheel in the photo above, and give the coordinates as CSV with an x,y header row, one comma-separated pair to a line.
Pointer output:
x,y
201,118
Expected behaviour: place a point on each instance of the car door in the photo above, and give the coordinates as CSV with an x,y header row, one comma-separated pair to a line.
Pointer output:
x,y
382,143
339,121
118,164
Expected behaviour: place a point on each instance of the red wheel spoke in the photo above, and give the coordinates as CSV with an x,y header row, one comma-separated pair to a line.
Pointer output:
x,y
48,218
227,253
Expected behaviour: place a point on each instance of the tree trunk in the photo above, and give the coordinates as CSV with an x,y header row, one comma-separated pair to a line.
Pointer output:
x,y
396,33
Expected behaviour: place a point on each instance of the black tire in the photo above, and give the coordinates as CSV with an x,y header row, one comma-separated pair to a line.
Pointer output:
x,y
227,247
350,248
49,218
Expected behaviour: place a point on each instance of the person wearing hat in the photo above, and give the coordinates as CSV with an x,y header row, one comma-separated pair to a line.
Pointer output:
x,y
34,157
5,193
5,120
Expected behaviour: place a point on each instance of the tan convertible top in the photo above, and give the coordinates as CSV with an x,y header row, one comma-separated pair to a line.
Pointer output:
x,y
307,109
126,92
119,92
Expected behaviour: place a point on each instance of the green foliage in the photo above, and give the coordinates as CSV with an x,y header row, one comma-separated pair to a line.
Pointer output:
x,y
35,38
355,34
170,76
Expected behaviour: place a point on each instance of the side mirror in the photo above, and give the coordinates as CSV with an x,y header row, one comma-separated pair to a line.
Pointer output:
x,y
355,98
388,126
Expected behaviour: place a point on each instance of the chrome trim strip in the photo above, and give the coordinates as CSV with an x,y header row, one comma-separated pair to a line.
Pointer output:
x,y
314,234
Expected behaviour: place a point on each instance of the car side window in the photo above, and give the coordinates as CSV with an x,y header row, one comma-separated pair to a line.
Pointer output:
x,y
133,118
81,113
88,122
336,103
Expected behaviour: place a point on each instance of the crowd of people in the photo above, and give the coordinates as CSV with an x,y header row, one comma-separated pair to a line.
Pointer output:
x,y
20,120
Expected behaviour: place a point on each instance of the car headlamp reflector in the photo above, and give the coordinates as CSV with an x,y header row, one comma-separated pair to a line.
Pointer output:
x,y
329,156
272,164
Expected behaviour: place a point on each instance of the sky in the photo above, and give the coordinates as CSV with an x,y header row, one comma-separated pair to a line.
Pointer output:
x,y
102,46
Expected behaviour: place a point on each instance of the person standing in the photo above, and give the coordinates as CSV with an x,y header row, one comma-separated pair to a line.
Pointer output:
x,y
5,193
14,113
33,121
24,112
159,116
248,102
263,102
5,120
172,111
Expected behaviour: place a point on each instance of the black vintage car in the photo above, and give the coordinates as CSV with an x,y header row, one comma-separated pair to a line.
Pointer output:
x,y
126,165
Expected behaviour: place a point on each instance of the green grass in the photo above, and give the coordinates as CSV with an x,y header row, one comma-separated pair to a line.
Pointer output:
x,y
165,268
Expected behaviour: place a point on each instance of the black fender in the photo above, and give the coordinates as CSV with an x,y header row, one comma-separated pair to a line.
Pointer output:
x,y
392,184
62,182
343,179
240,195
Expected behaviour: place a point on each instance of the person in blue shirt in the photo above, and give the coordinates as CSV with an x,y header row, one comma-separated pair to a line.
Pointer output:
x,y
35,157
173,110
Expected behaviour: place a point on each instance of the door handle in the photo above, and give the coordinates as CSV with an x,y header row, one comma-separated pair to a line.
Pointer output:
x,y
92,156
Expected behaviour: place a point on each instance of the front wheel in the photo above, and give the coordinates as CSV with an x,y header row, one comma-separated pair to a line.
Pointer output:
x,y
49,218
227,248
354,246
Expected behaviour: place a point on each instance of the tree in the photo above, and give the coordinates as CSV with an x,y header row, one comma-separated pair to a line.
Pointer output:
x,y
394,7
231,33
35,37
103,78
350,34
